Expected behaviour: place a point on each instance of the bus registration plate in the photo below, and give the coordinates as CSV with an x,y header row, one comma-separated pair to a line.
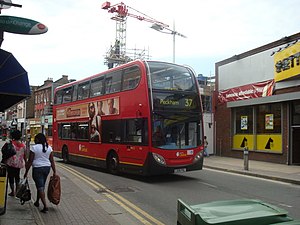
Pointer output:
x,y
181,170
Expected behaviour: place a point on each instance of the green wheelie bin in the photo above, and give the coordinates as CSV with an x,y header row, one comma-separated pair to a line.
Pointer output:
x,y
3,188
293,222
233,212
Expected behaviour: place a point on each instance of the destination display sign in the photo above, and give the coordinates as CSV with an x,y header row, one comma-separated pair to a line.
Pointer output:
x,y
182,102
19,25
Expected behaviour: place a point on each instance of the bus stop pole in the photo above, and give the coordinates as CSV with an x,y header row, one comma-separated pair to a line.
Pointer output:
x,y
246,158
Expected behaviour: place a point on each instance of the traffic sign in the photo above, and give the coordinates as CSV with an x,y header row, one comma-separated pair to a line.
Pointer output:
x,y
19,25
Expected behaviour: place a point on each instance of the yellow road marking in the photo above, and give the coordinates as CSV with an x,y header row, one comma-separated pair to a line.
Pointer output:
x,y
124,203
128,209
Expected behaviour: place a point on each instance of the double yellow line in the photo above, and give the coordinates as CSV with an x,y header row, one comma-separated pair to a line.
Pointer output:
x,y
135,211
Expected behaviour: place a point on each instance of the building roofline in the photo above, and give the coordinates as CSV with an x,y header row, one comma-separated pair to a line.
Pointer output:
x,y
263,48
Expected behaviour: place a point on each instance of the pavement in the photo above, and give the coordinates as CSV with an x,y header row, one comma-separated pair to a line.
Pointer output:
x,y
81,203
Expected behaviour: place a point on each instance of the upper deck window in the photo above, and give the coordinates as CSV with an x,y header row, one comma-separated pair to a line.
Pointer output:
x,y
97,87
113,82
58,97
83,90
131,78
166,76
67,95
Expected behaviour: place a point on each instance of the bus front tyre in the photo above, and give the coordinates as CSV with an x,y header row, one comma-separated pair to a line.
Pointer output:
x,y
113,163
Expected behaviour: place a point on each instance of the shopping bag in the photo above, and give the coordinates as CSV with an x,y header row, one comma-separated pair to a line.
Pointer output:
x,y
54,190
8,150
23,192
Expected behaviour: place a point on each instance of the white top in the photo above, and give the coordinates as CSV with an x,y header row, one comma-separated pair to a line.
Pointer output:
x,y
41,158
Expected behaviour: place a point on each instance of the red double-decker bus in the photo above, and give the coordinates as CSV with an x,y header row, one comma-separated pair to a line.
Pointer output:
x,y
143,117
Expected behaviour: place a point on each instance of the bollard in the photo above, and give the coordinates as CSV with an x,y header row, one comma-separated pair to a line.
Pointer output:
x,y
246,158
3,188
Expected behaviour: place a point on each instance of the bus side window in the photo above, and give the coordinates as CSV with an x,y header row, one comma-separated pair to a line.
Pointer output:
x,y
74,131
83,90
111,131
131,78
67,95
74,94
58,97
83,131
65,131
59,130
134,131
113,82
96,87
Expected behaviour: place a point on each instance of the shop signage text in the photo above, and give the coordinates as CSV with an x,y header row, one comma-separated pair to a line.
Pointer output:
x,y
248,91
287,63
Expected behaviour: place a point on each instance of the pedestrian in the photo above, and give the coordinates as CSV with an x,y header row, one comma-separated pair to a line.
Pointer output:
x,y
16,162
205,147
41,159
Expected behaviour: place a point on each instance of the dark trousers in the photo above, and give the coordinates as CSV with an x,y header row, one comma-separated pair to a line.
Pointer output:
x,y
13,175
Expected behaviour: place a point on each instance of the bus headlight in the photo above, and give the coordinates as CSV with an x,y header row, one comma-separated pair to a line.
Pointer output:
x,y
158,158
198,156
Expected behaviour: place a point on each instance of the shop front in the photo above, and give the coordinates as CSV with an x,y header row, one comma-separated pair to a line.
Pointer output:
x,y
258,103
35,127
46,123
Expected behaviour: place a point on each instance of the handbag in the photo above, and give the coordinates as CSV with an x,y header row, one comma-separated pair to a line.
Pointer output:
x,y
23,192
8,150
54,189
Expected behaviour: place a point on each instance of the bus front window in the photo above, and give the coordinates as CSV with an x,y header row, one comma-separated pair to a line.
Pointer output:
x,y
175,133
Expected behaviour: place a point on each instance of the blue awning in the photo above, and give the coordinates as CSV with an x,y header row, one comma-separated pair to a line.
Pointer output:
x,y
14,84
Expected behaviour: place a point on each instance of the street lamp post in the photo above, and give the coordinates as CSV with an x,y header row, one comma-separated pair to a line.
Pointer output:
x,y
161,28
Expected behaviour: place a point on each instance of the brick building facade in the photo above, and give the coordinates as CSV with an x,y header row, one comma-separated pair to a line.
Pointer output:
x,y
257,103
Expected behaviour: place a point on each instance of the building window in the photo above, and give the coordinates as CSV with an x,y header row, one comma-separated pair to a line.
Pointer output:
x,y
244,120
258,128
268,118
206,103
296,113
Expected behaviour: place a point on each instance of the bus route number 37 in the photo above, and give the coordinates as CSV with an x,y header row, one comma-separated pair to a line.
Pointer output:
x,y
188,102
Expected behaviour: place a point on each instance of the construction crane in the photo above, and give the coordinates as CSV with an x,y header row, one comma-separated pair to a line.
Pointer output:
x,y
117,52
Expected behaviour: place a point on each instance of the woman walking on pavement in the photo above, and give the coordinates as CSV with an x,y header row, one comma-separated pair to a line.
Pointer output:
x,y
40,158
16,162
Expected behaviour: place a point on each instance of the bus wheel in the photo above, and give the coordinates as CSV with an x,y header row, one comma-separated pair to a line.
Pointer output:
x,y
65,155
113,163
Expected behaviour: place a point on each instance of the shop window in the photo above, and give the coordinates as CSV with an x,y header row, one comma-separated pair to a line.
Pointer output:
x,y
268,118
296,113
206,103
244,120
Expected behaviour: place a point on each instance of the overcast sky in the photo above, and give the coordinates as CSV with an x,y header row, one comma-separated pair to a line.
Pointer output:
x,y
80,33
